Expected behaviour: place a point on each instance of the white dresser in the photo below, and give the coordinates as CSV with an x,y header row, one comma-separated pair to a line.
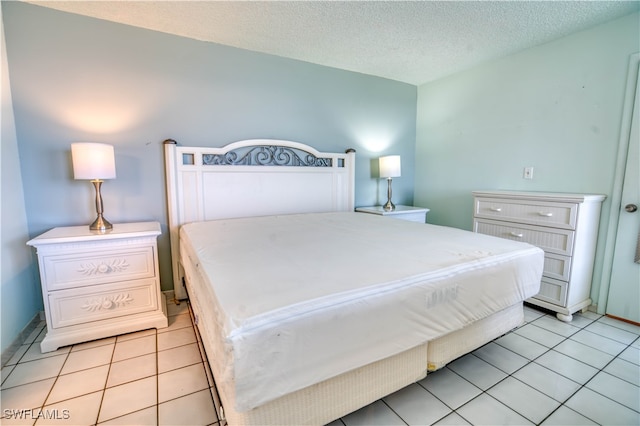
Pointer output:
x,y
409,213
565,226
98,285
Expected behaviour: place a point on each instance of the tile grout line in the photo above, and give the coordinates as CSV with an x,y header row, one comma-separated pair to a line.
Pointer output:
x,y
483,391
562,403
202,361
206,366
549,349
511,374
581,386
602,371
529,361
393,411
158,376
20,361
44,401
106,380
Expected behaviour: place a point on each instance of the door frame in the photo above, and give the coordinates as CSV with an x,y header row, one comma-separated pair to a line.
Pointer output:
x,y
618,181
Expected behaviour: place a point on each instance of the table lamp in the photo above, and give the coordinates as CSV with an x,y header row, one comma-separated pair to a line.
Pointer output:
x,y
389,168
94,162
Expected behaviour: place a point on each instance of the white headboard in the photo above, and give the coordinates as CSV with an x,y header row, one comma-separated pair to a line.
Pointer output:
x,y
257,177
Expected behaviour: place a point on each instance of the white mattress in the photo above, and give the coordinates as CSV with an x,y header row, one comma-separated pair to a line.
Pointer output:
x,y
298,299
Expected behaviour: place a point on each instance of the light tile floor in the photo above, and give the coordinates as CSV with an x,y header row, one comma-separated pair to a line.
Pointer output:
x,y
545,372
144,378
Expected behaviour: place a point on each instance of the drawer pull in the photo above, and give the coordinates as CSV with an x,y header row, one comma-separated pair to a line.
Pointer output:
x,y
545,214
495,209
516,234
115,265
107,302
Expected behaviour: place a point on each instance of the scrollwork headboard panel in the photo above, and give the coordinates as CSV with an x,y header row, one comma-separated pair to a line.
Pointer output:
x,y
256,177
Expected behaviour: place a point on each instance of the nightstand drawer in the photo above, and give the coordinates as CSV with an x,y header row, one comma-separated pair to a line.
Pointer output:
x,y
419,217
99,302
552,240
408,213
82,269
560,215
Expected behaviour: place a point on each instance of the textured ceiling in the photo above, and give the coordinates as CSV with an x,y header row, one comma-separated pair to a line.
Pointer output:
x,y
413,42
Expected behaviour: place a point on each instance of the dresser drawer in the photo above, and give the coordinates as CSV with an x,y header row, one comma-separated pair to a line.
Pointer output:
x,y
553,291
552,240
81,269
99,302
559,215
557,266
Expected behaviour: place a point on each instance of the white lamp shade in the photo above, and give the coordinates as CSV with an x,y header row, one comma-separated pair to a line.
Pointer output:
x,y
93,161
390,166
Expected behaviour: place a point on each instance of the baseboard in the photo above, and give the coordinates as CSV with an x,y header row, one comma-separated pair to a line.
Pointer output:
x,y
170,295
8,353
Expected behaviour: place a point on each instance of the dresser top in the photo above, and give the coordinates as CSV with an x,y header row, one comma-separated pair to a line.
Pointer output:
x,y
68,234
544,196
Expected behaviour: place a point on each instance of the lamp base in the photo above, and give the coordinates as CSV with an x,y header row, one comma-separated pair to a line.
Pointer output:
x,y
101,224
389,206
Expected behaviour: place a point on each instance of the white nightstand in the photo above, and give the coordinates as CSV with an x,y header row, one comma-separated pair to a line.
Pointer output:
x,y
412,214
98,285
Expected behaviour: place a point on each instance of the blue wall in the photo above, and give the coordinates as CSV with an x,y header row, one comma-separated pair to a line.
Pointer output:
x,y
79,79
20,296
555,107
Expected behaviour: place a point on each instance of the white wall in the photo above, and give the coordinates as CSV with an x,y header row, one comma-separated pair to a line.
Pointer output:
x,y
556,107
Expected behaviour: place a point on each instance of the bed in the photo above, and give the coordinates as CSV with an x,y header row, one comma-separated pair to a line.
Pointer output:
x,y
308,310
